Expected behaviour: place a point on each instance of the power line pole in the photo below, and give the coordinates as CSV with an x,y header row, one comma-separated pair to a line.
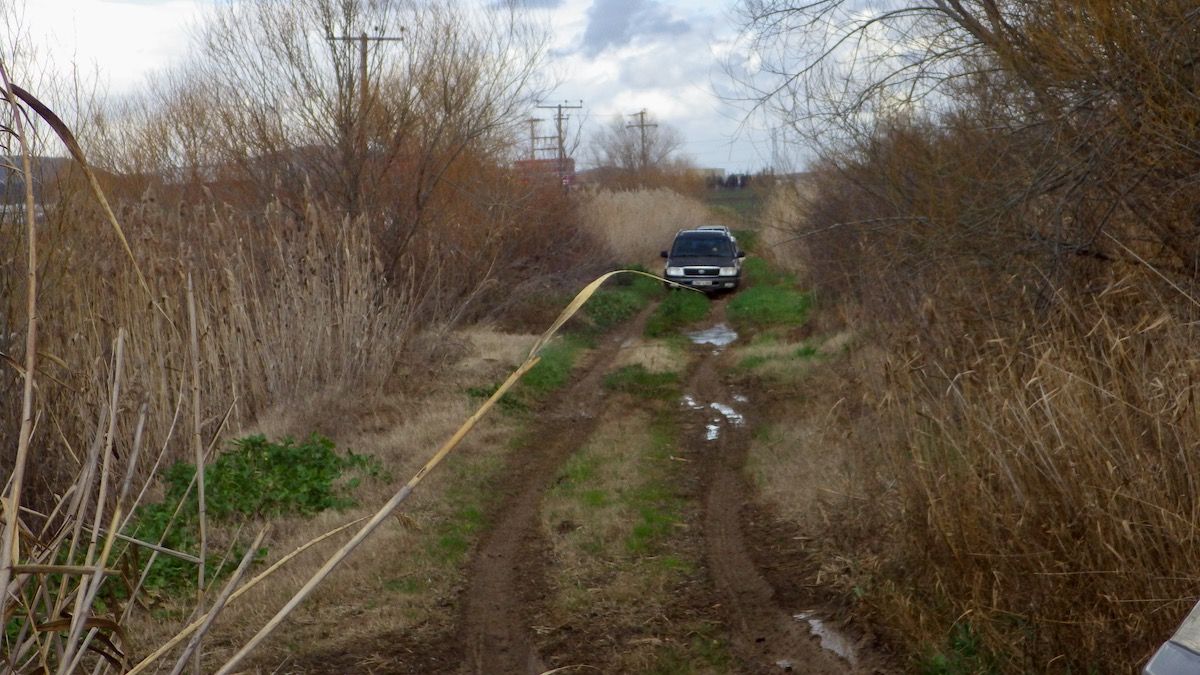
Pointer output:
x,y
363,76
641,127
559,118
533,137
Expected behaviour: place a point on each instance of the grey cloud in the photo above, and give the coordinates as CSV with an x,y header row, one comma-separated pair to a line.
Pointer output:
x,y
614,23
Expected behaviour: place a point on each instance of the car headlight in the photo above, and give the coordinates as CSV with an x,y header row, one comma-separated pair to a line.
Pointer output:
x,y
728,271
674,271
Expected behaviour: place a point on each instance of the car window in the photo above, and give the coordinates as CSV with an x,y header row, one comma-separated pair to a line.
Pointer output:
x,y
702,246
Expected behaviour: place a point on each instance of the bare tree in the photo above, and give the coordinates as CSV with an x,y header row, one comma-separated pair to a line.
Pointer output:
x,y
276,101
640,146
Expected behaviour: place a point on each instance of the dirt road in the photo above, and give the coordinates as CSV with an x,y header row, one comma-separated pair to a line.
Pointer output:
x,y
507,572
731,611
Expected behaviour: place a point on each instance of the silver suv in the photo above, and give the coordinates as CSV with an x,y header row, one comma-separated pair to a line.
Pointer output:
x,y
706,258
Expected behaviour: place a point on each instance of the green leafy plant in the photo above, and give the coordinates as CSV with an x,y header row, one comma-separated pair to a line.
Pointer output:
x,y
256,478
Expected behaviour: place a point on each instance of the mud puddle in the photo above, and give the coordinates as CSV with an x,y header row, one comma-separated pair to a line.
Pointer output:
x,y
726,415
831,639
720,335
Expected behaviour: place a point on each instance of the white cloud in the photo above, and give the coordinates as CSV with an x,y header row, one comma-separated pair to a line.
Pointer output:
x,y
124,41
661,55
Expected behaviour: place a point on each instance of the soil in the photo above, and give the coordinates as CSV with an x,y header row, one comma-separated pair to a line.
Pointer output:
x,y
764,634
749,585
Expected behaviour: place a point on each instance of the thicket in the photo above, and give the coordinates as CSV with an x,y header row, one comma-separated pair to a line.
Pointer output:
x,y
1009,210
287,233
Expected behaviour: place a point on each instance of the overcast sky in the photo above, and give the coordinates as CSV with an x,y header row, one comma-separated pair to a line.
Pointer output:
x,y
617,56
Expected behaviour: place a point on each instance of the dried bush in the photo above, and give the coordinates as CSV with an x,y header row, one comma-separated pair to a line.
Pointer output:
x,y
1018,239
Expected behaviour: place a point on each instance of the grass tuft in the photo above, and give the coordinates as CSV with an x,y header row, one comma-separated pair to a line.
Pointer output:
x,y
677,310
636,380
768,306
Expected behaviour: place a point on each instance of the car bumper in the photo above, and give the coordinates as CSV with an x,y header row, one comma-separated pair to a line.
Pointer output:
x,y
711,284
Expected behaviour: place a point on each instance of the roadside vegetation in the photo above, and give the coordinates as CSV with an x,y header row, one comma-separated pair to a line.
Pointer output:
x,y
1013,249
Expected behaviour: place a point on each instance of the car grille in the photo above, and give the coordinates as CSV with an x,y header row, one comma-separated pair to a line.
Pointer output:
x,y
701,271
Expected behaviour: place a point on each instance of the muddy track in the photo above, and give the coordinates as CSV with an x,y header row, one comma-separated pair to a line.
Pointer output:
x,y
764,636
505,574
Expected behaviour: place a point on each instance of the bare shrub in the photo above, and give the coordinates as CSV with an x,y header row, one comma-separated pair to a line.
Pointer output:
x,y
1017,236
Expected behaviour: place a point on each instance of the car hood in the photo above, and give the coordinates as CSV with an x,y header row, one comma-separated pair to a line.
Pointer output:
x,y
693,260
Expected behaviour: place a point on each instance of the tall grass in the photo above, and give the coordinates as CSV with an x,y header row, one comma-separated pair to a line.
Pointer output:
x,y
635,225
252,310
1041,487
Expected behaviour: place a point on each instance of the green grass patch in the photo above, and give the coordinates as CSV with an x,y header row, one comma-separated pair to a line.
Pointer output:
x,y
708,652
751,362
741,204
806,352
624,296
406,585
551,373
636,380
256,478
758,272
767,306
677,310
747,239
455,535
554,369
964,655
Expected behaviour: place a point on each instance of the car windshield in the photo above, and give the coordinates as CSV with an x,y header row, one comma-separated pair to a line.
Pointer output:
x,y
695,247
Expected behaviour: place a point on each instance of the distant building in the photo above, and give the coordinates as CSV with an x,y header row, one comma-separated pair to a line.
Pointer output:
x,y
543,169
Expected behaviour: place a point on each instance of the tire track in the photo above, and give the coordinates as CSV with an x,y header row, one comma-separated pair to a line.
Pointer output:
x,y
506,573
765,637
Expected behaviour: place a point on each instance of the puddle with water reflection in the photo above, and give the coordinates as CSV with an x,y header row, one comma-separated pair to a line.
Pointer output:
x,y
719,335
735,418
831,639
712,432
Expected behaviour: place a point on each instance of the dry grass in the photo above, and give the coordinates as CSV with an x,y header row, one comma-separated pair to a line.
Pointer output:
x,y
635,225
800,459
655,357
776,226
1022,484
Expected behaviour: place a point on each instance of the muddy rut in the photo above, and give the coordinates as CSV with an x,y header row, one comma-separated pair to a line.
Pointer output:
x,y
505,577
765,637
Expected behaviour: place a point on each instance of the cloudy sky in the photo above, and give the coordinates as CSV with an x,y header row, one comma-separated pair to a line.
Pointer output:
x,y
617,56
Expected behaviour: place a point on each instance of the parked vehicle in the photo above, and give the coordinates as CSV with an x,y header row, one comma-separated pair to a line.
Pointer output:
x,y
1181,654
706,258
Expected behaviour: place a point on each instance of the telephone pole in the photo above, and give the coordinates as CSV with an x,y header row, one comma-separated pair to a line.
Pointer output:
x,y
559,118
363,76
641,126
533,137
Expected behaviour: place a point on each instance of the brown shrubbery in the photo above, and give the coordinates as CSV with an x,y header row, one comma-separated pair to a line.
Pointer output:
x,y
326,234
1026,259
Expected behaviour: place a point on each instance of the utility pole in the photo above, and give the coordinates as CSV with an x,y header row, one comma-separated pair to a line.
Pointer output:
x,y
641,126
533,137
360,122
559,118
364,85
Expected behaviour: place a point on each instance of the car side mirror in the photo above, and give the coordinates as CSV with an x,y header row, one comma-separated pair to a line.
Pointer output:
x,y
663,254
741,254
